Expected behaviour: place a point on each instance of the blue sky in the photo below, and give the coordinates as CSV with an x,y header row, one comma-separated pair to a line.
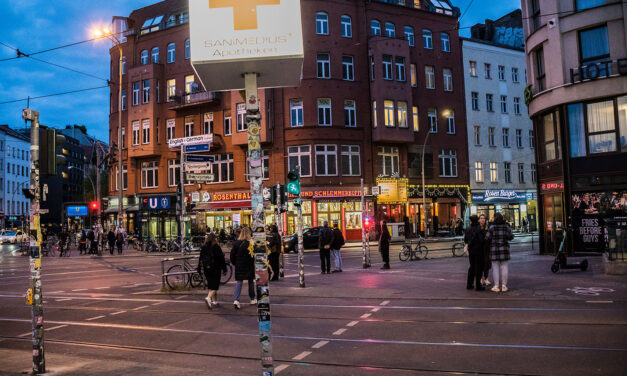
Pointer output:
x,y
34,25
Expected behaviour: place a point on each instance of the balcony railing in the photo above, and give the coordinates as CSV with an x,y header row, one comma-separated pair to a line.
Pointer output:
x,y
192,99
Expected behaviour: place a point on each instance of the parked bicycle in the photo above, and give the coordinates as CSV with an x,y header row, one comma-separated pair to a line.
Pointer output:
x,y
182,275
418,252
458,249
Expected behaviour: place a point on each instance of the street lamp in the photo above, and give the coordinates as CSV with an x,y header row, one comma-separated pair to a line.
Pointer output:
x,y
107,33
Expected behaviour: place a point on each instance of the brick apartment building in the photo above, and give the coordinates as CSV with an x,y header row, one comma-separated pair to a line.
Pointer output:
x,y
377,77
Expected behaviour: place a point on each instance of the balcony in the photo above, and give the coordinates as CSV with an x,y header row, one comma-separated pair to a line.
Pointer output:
x,y
180,102
434,6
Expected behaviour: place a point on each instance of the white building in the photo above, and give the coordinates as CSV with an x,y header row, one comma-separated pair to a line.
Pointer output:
x,y
500,133
14,176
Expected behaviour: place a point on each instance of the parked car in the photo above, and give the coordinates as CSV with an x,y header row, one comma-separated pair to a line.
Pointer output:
x,y
13,237
310,240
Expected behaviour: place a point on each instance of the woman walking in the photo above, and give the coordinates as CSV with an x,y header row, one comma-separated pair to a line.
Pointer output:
x,y
244,263
211,262
475,239
483,224
384,245
499,235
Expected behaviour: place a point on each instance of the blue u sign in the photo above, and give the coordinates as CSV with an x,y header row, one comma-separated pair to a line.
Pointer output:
x,y
156,203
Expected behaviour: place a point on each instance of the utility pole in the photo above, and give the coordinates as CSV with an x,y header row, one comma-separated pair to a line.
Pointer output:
x,y
279,223
182,198
301,250
365,240
35,294
120,184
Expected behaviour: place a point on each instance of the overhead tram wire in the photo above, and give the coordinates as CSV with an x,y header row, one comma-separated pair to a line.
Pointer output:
x,y
55,94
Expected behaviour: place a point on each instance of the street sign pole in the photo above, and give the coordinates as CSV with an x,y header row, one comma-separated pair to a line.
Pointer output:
x,y
279,223
301,250
365,239
182,198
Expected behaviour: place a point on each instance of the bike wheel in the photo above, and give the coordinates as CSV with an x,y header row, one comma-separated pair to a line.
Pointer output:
x,y
176,280
424,251
225,278
196,280
457,249
404,253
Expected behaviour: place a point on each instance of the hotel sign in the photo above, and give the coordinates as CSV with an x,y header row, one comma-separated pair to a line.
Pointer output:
x,y
603,69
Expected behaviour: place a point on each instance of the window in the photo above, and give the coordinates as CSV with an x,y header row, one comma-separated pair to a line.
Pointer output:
x,y
150,174
390,30
413,75
432,113
415,118
519,141
622,122
123,64
517,106
486,69
324,111
348,68
171,53
491,141
533,173
427,39
189,85
174,172
374,114
450,122
322,23
409,35
448,79
347,28
326,160
446,42
521,173
375,27
507,168
477,135
350,114
429,77
157,92
123,99
222,168
351,165
387,67
323,66
494,172
388,108
473,68
136,93
296,112
188,52
155,55
540,74
189,126
242,126
488,103
387,160
143,59
400,69
171,89
207,123
503,104
531,139
585,4
135,133
515,75
448,163
228,129
601,127
146,91
506,137
479,172
169,129
551,148
593,45
501,73
474,100
536,20
146,131
402,114
123,138
299,156
371,68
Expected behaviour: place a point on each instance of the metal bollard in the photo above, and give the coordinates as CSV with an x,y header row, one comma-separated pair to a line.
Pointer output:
x,y
162,273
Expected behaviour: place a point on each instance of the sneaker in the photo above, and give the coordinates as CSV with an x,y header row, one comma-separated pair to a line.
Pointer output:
x,y
482,282
208,301
504,288
214,303
323,272
487,282
495,289
336,271
236,305
254,301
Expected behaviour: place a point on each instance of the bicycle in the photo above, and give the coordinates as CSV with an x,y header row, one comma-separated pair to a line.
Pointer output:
x,y
458,249
407,253
181,275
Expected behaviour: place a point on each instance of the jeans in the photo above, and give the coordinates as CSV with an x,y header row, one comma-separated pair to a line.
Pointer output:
x,y
238,289
500,270
337,258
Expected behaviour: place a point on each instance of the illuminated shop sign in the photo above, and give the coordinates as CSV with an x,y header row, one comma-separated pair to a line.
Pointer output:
x,y
552,186
235,196
157,203
499,194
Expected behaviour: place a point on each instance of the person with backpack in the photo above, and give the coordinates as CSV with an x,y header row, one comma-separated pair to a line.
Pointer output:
x,y
499,236
474,239
211,264
324,244
274,245
244,264
338,243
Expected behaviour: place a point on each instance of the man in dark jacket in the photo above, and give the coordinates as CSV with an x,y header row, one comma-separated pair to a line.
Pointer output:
x,y
324,244
475,240
111,240
338,242
93,246
384,245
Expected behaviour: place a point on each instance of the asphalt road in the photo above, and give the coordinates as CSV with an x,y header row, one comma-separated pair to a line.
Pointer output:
x,y
108,316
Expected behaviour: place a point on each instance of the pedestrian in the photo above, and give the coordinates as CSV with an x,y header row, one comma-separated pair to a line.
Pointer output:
x,y
119,241
211,264
324,244
474,238
242,259
111,240
274,245
91,236
222,236
63,241
460,227
384,245
82,243
524,224
338,243
499,235
487,264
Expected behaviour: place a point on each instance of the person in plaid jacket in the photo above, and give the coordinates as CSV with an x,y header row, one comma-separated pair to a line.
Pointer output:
x,y
499,235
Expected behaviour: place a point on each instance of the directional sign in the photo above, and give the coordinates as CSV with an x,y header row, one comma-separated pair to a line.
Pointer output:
x,y
199,158
202,139
197,165
197,148
199,177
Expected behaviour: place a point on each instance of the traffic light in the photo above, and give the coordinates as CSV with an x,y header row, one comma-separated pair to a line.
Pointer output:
x,y
94,205
49,141
293,185
367,223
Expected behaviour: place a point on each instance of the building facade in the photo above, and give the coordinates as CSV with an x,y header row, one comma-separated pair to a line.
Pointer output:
x,y
14,176
378,77
577,62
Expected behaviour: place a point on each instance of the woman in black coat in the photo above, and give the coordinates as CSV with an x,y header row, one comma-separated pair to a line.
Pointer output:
x,y
384,245
212,263
244,264
475,239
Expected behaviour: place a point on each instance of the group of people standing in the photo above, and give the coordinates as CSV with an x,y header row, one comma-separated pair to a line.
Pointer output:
x,y
330,241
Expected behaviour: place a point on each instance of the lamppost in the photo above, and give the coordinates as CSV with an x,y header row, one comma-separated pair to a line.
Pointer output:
x,y
107,33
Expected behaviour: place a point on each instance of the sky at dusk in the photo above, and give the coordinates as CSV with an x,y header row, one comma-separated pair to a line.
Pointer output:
x,y
34,25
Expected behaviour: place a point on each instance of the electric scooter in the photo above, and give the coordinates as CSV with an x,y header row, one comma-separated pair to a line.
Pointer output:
x,y
561,262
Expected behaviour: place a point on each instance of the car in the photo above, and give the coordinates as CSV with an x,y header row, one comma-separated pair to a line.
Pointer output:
x,y
310,240
13,237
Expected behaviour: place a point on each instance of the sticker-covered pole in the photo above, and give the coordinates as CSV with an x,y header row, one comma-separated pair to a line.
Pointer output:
x,y
301,250
182,198
253,121
279,223
365,240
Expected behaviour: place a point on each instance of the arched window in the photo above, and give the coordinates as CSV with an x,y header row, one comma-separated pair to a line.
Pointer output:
x,y
427,39
144,57
390,30
155,55
375,27
347,27
409,35
322,23
171,53
446,42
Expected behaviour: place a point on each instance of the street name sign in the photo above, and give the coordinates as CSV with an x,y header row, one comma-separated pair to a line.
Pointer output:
x,y
201,139
195,148
199,158
199,177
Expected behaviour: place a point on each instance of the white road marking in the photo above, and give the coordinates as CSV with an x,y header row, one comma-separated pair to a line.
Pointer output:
x,y
158,303
25,334
102,288
79,290
56,292
319,344
63,300
138,308
180,297
352,323
56,327
384,303
365,315
339,331
116,313
599,301
375,309
302,355
94,318
280,368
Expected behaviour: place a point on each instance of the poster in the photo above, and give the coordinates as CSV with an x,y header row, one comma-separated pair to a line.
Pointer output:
x,y
590,210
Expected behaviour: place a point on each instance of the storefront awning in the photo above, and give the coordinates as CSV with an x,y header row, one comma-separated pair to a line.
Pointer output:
x,y
207,206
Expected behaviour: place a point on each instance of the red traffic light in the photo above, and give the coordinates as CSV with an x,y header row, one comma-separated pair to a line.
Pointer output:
x,y
367,222
94,205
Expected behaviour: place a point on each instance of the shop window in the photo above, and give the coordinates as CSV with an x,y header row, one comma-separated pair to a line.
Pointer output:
x,y
329,212
352,215
387,160
326,160
351,165
300,156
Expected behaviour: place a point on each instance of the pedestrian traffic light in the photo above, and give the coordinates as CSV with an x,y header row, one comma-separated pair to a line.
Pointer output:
x,y
367,223
49,141
293,185
94,205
